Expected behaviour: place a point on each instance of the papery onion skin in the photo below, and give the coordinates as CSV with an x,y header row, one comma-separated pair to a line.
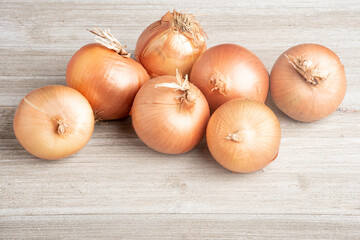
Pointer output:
x,y
163,47
108,80
229,71
305,101
164,123
53,122
257,135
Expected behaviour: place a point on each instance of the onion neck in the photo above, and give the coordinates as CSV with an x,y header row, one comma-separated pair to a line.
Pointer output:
x,y
218,83
188,98
62,127
306,69
191,95
187,24
235,137
106,39
189,92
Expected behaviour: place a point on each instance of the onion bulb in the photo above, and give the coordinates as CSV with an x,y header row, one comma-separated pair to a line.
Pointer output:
x,y
53,122
229,71
308,82
243,135
174,42
106,75
170,114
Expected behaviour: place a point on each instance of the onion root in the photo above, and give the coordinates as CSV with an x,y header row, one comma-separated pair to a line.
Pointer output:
x,y
236,137
62,126
218,83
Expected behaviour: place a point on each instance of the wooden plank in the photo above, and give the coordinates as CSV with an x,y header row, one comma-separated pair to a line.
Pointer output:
x,y
180,226
117,173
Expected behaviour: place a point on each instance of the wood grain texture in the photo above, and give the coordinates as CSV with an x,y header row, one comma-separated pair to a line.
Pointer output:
x,y
117,188
182,226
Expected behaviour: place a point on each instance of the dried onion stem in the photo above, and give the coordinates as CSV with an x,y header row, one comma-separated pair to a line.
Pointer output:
x,y
106,39
305,68
181,85
187,24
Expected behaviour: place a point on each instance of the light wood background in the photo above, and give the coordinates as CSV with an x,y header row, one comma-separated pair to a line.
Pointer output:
x,y
117,188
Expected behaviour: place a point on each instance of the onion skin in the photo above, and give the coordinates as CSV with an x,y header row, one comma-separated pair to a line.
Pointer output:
x,y
229,71
256,135
164,123
163,47
108,80
53,122
305,101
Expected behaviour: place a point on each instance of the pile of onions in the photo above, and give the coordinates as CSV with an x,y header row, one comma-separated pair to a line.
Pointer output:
x,y
308,82
243,135
53,122
106,75
174,42
229,71
170,114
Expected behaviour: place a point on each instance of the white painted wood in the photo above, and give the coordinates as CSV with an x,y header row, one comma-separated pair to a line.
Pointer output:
x,y
116,187
182,226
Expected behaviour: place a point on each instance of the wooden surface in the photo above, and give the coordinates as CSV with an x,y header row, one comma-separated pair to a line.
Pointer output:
x,y
117,188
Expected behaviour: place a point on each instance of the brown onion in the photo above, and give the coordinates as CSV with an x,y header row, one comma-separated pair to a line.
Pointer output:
x,y
106,76
170,114
53,122
243,135
229,71
308,82
174,42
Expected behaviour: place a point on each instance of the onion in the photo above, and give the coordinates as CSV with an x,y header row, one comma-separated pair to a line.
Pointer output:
x,y
174,42
53,122
106,76
170,114
308,82
229,71
243,135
